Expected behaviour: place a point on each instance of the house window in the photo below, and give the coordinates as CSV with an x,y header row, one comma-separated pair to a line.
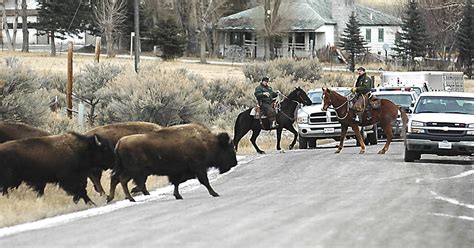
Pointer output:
x,y
368,35
380,34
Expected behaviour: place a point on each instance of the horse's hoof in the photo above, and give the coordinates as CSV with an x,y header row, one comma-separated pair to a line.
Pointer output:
x,y
381,152
338,151
261,152
290,147
361,151
281,151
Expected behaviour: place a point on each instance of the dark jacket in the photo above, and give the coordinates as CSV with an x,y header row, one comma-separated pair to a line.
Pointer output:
x,y
363,84
260,89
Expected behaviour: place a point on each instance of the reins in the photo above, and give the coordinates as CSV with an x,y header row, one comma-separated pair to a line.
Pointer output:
x,y
340,106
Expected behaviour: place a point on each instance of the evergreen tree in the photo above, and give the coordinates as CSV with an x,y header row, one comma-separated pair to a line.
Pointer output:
x,y
413,39
58,18
465,38
352,41
170,38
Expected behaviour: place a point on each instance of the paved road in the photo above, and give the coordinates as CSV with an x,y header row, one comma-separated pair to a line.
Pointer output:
x,y
302,198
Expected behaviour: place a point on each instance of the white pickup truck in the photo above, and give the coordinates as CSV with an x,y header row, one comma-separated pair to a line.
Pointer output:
x,y
442,123
314,124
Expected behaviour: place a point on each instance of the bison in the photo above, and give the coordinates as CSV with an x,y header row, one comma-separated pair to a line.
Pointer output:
x,y
112,133
180,152
63,159
16,131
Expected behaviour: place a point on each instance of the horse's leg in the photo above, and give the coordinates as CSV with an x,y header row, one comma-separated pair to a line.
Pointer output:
x,y
253,139
343,137
387,129
279,130
295,135
359,138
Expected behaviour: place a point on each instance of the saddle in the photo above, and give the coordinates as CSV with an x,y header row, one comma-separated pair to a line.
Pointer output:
x,y
257,112
362,102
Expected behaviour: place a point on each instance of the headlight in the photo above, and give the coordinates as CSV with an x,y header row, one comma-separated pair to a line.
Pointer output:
x,y
470,126
416,127
302,119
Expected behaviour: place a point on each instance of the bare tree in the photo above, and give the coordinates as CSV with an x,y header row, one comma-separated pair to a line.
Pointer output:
x,y
110,16
271,22
443,18
24,26
209,11
10,40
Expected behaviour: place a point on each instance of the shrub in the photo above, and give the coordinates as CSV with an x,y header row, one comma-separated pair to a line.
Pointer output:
x,y
306,70
154,96
21,98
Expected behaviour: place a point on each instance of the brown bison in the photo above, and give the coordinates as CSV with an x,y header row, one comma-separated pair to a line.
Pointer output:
x,y
180,152
16,131
63,159
112,133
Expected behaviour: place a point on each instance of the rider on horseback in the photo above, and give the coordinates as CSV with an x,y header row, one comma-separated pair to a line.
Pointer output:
x,y
265,94
363,86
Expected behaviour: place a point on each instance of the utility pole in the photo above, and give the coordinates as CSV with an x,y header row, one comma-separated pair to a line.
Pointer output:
x,y
137,35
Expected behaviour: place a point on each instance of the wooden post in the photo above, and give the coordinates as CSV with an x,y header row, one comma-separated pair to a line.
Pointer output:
x,y
137,35
97,49
69,80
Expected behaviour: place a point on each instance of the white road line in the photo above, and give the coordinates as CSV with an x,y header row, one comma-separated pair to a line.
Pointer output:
x,y
451,200
455,217
161,193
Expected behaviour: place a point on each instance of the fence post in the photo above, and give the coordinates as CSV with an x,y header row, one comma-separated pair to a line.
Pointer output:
x,y
97,49
69,79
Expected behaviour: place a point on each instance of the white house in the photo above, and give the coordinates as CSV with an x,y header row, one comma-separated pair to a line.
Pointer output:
x,y
32,12
307,25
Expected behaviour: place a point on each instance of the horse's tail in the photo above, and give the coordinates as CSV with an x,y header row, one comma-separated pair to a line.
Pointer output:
x,y
404,116
237,130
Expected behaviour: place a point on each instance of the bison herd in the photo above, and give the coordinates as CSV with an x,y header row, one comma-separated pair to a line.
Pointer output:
x,y
132,150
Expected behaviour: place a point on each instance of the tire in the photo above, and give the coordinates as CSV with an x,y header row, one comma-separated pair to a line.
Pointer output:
x,y
312,142
302,142
372,138
411,156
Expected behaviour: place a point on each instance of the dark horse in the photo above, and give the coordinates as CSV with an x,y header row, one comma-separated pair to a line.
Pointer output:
x,y
285,118
385,116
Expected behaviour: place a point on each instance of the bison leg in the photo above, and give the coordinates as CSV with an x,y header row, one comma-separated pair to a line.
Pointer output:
x,y
202,177
94,175
114,180
123,181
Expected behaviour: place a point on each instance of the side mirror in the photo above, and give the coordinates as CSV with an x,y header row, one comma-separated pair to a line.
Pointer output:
x,y
409,110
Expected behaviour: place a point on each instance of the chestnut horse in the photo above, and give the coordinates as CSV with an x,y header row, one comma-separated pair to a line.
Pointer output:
x,y
285,119
385,116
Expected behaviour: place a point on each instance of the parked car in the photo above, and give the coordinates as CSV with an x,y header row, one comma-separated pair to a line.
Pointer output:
x,y
442,123
314,124
405,99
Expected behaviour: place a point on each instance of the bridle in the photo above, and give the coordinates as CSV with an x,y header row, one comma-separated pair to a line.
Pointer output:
x,y
296,109
340,106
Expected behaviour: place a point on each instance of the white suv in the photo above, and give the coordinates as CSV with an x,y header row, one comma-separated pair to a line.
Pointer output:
x,y
314,124
442,123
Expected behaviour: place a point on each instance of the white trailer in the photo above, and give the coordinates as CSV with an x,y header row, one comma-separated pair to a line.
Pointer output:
x,y
435,80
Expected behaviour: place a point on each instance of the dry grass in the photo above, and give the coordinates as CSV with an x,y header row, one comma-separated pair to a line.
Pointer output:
x,y
22,205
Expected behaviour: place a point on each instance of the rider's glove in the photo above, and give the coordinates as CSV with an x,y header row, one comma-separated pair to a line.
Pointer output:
x,y
353,90
266,94
278,92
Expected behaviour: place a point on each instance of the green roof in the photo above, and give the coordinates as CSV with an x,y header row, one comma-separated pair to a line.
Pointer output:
x,y
302,15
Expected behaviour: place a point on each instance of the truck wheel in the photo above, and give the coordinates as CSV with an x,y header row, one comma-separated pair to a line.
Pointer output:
x,y
411,156
302,142
312,142
372,138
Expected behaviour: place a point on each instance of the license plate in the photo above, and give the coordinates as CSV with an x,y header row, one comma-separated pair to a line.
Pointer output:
x,y
445,145
329,130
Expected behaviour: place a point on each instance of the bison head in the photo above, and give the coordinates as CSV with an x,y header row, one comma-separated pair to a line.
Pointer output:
x,y
226,157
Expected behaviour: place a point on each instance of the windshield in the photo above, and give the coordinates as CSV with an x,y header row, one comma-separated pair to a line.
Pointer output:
x,y
316,97
399,99
445,104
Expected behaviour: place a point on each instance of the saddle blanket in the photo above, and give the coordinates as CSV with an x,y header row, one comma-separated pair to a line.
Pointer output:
x,y
256,114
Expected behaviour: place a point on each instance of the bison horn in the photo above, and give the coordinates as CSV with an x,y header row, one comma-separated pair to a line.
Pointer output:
x,y
97,141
